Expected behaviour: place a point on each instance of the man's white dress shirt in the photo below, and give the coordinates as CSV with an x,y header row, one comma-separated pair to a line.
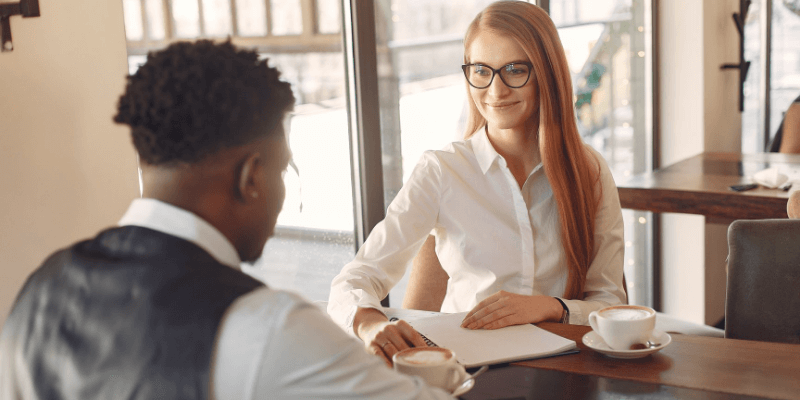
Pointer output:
x,y
271,344
490,236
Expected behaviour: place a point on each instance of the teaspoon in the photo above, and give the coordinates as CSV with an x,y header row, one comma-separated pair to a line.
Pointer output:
x,y
469,382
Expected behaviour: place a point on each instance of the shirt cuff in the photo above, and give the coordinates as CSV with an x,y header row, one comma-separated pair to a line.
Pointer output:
x,y
576,316
350,316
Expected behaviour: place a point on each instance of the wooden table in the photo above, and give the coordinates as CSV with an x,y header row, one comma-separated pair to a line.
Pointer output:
x,y
694,367
700,185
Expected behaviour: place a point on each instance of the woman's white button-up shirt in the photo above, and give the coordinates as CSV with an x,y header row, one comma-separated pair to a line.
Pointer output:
x,y
491,235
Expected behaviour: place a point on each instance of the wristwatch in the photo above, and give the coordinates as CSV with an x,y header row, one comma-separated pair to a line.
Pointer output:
x,y
565,313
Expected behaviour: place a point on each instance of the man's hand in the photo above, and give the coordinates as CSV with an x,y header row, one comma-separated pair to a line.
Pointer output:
x,y
383,338
505,309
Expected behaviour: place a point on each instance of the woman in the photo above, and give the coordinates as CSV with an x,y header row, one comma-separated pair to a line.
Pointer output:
x,y
787,137
526,217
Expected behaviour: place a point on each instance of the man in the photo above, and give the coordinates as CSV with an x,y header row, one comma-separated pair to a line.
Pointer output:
x,y
157,307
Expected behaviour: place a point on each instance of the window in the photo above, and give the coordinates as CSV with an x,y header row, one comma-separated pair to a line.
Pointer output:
x,y
607,44
767,100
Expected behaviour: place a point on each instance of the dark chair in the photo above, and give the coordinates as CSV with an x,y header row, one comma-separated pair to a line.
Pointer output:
x,y
763,293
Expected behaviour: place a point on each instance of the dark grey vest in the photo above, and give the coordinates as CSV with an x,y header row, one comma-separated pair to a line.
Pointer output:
x,y
130,314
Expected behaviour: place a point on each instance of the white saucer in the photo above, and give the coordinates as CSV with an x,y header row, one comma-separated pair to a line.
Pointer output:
x,y
596,343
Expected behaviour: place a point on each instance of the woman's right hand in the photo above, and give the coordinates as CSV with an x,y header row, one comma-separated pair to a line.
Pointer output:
x,y
383,338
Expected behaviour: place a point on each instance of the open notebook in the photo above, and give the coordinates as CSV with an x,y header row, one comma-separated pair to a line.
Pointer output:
x,y
483,347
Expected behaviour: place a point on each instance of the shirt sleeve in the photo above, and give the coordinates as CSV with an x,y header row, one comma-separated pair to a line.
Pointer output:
x,y
390,247
274,345
604,278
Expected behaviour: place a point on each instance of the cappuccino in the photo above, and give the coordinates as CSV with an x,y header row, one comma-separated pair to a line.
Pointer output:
x,y
625,313
436,365
623,326
423,356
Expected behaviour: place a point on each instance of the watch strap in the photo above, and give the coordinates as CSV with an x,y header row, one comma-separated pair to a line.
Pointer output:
x,y
565,313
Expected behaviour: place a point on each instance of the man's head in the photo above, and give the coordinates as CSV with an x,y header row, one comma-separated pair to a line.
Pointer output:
x,y
207,122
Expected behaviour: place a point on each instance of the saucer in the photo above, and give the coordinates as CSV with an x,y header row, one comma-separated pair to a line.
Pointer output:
x,y
596,343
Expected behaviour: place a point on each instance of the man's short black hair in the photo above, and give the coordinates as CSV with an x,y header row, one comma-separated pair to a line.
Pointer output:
x,y
192,99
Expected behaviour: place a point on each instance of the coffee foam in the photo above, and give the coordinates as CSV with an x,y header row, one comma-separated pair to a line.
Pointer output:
x,y
625,314
426,357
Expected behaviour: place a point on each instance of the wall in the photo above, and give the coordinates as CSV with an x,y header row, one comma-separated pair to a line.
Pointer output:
x,y
698,112
723,133
66,170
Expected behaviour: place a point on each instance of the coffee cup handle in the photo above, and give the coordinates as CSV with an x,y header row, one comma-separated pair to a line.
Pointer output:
x,y
593,321
458,373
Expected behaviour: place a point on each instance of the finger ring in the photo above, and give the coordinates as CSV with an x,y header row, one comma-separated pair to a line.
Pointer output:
x,y
385,344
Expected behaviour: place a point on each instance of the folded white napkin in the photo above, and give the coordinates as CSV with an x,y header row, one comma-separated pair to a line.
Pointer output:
x,y
770,178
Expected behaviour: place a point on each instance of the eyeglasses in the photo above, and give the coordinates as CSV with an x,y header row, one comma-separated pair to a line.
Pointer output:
x,y
514,75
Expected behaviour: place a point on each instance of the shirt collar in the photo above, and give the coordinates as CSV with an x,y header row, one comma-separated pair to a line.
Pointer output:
x,y
486,154
163,217
483,149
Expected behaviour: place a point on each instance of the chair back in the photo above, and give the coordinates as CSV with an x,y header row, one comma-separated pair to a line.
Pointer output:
x,y
763,292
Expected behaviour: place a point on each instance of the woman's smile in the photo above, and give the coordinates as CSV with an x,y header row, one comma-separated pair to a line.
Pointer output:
x,y
502,105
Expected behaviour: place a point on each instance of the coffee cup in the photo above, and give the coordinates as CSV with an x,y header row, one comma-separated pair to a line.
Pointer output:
x,y
436,365
624,326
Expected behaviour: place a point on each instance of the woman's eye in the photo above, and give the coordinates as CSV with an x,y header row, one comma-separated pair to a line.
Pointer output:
x,y
516,71
481,71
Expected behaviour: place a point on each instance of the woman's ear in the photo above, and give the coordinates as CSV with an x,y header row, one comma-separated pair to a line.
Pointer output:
x,y
247,187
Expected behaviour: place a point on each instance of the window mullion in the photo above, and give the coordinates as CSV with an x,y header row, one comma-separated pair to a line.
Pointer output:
x,y
765,74
268,8
364,114
234,18
308,10
168,24
200,16
145,30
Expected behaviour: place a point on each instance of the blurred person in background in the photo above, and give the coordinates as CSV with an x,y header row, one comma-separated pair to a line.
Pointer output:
x,y
787,137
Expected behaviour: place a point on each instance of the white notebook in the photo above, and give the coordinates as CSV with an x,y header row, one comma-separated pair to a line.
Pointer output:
x,y
483,347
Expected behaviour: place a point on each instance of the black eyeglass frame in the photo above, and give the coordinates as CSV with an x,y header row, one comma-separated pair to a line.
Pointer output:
x,y
464,67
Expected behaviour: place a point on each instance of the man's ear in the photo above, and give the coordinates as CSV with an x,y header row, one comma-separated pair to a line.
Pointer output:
x,y
247,188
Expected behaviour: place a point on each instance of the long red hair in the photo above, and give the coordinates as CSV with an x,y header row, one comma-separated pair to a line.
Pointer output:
x,y
572,171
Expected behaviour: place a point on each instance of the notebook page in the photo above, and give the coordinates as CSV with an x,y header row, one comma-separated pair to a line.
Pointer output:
x,y
482,347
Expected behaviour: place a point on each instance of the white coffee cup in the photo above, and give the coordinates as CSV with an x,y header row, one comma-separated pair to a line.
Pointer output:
x,y
437,366
624,326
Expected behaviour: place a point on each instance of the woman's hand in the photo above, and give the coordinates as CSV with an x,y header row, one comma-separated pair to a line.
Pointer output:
x,y
383,338
505,309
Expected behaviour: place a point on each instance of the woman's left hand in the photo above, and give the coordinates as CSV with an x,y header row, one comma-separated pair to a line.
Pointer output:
x,y
505,309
